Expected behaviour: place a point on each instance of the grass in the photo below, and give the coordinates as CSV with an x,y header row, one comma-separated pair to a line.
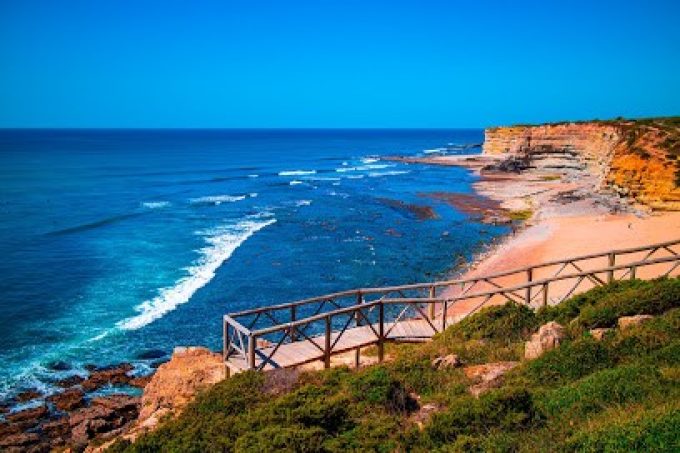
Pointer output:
x,y
618,394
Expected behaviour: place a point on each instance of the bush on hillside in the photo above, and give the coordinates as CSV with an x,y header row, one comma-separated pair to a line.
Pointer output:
x,y
275,438
651,298
571,361
650,430
620,385
506,323
507,409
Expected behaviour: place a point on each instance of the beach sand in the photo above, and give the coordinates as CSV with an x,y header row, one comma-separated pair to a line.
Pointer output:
x,y
570,217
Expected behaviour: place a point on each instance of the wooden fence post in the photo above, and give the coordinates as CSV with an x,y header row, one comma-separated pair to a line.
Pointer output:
x,y
612,263
327,346
545,294
530,277
381,332
225,340
632,272
251,351
433,294
445,309
293,318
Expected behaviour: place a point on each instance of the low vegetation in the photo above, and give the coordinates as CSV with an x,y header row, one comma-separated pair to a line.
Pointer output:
x,y
618,394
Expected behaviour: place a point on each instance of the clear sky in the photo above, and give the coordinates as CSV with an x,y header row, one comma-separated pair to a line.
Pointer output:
x,y
116,63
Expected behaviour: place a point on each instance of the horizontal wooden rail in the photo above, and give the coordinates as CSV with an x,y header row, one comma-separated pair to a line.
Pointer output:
x,y
258,347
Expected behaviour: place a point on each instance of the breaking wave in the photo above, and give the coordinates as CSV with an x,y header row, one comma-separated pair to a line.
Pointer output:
x,y
221,244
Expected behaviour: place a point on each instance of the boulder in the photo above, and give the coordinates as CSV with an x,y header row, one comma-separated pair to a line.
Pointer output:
x,y
140,381
114,375
68,400
548,337
447,361
32,415
28,395
487,376
629,321
70,381
56,429
20,440
599,333
104,415
177,381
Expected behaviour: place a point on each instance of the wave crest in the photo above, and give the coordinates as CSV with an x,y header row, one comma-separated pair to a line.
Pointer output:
x,y
222,242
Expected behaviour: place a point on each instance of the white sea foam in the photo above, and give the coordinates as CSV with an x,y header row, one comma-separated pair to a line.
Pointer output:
x,y
363,168
303,203
377,174
156,204
253,194
295,182
369,160
253,176
217,199
432,151
355,176
297,172
222,242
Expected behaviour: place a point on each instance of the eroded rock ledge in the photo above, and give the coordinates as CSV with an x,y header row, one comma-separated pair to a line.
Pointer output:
x,y
637,159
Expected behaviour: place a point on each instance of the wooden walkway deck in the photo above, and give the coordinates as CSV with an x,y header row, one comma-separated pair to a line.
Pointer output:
x,y
301,352
292,334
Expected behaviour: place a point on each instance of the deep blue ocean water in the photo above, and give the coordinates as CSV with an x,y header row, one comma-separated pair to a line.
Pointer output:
x,y
116,243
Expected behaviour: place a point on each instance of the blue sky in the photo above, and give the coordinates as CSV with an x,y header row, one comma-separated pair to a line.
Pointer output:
x,y
334,64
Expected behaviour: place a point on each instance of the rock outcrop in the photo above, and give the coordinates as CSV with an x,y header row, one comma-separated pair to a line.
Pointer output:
x,y
487,376
549,336
629,321
636,159
177,381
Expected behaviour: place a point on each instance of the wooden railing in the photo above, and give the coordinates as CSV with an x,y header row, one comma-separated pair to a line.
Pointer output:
x,y
254,337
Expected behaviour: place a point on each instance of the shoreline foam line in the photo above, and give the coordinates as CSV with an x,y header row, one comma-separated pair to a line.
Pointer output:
x,y
222,245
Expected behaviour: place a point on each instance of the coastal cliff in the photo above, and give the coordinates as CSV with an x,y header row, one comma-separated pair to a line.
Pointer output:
x,y
635,158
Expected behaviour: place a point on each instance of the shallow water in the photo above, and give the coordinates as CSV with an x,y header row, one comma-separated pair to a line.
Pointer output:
x,y
117,243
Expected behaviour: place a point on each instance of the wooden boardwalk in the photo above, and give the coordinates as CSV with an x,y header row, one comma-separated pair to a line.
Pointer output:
x,y
296,333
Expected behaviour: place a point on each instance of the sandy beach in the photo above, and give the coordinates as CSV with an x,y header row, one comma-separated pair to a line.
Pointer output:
x,y
568,217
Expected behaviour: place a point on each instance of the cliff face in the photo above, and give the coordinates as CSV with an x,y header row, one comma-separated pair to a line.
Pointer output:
x,y
638,159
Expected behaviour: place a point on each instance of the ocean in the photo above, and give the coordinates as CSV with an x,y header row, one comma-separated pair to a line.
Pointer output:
x,y
118,245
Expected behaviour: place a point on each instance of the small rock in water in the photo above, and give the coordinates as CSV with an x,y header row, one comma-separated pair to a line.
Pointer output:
x,y
68,400
28,395
59,366
32,415
70,381
151,354
115,375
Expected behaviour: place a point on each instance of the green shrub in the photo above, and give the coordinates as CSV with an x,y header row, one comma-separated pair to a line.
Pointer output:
x,y
311,406
294,439
626,384
508,323
652,298
507,409
650,431
375,432
642,340
377,386
571,361
494,442
564,312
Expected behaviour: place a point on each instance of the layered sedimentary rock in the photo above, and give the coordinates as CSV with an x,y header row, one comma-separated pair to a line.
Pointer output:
x,y
637,159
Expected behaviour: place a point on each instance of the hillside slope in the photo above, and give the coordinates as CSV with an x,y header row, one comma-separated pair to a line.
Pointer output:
x,y
613,390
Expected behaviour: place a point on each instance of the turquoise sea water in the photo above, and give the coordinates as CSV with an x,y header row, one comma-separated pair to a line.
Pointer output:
x,y
119,245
